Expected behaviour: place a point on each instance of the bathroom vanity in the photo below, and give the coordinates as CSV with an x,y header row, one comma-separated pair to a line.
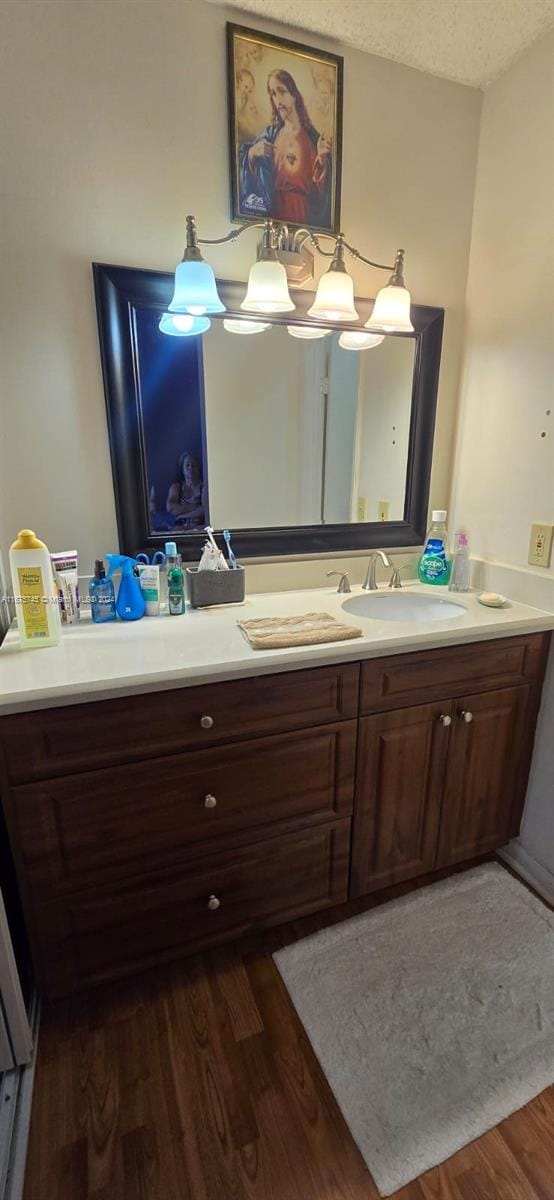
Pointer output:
x,y
151,825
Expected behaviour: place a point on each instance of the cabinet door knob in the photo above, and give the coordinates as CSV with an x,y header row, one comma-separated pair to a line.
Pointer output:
x,y
209,801
214,903
445,719
466,716
206,722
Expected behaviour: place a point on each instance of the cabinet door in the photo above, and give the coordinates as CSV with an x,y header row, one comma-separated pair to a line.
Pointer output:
x,y
401,765
488,742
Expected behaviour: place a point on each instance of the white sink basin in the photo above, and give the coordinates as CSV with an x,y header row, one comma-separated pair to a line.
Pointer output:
x,y
399,606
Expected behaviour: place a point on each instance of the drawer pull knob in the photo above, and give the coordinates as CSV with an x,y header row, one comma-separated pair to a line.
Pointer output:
x,y
445,719
214,903
206,722
210,801
466,716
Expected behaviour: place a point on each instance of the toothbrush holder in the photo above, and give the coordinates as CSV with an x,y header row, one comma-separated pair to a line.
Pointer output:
x,y
215,587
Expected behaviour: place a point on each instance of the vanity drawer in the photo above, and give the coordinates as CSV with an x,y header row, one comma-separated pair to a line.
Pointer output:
x,y
104,933
430,675
80,737
112,823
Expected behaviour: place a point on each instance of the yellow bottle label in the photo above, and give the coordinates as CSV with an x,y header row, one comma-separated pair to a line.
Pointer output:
x,y
32,608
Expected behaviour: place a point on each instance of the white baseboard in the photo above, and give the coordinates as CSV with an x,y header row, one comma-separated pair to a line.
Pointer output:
x,y
539,876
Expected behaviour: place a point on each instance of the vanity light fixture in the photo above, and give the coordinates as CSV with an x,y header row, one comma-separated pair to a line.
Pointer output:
x,y
245,326
183,324
391,310
354,339
268,289
282,252
334,299
195,287
308,332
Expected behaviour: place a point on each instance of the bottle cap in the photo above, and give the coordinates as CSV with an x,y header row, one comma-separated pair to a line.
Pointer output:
x,y
171,549
27,540
99,569
439,514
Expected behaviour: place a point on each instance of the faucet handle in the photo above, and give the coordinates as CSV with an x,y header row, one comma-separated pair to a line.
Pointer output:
x,y
344,582
395,580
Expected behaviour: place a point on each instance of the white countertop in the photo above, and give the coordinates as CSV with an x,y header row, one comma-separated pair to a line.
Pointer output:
x,y
93,662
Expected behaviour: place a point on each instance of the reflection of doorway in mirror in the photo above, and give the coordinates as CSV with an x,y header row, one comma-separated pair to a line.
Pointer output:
x,y
383,428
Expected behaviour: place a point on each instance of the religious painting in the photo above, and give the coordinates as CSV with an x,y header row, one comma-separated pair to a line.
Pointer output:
x,y
285,123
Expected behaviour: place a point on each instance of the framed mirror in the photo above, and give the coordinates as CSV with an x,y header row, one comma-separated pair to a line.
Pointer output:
x,y
297,445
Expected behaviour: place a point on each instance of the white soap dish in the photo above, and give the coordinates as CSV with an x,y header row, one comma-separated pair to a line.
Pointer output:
x,y
492,599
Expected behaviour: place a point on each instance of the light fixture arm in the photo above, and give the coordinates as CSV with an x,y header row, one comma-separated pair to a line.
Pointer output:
x,y
314,239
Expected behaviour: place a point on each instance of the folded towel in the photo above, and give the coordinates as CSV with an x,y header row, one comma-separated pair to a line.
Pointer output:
x,y
274,633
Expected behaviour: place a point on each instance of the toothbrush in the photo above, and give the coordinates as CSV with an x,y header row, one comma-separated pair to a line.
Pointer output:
x,y
230,552
221,561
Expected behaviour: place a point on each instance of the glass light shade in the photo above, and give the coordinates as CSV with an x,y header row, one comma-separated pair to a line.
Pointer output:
x,y
391,310
334,299
309,332
268,290
183,324
354,340
245,326
195,290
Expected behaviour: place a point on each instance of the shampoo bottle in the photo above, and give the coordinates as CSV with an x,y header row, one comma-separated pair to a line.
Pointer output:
x,y
434,564
35,593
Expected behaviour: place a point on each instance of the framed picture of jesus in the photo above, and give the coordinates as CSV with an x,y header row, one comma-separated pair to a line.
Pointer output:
x,y
285,128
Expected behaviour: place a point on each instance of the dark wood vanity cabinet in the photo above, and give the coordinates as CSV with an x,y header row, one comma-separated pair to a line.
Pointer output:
x,y
149,827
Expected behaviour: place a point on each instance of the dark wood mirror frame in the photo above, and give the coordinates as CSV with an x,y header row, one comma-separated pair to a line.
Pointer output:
x,y
119,292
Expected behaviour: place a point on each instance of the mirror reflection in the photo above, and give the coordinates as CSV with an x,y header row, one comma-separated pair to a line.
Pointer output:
x,y
269,430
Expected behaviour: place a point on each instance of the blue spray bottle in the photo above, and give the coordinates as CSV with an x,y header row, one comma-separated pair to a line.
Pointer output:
x,y
130,603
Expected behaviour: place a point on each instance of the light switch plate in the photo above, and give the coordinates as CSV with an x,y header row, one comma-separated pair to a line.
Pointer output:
x,y
540,545
361,508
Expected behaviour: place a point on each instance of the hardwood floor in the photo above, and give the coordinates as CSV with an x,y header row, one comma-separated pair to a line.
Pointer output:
x,y
197,1082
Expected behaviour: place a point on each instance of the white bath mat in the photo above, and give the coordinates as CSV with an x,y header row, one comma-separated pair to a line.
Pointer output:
x,y
432,1016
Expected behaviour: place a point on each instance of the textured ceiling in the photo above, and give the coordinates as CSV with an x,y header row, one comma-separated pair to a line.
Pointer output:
x,y
470,41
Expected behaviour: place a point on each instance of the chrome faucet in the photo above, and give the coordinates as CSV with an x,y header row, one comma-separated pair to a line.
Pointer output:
x,y
370,582
344,584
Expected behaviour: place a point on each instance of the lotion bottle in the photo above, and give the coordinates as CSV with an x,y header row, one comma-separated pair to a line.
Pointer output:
x,y
35,593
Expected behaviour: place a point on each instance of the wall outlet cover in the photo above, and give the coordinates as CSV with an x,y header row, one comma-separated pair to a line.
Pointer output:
x,y
540,545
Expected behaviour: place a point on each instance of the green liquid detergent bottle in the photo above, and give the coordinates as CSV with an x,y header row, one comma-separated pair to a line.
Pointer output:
x,y
435,565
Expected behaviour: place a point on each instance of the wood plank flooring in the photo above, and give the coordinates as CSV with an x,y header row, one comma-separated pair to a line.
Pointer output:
x,y
197,1082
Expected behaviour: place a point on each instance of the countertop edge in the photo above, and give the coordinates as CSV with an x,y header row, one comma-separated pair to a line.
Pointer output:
x,y
268,663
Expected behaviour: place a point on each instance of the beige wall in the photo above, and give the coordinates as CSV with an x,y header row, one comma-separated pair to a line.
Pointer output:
x,y
504,469
115,126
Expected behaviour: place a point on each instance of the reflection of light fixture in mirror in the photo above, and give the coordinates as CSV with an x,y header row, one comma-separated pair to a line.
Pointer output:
x,y
244,326
334,299
183,324
354,339
195,287
308,332
391,310
268,290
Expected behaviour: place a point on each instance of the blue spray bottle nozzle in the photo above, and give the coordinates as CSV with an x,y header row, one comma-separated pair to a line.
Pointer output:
x,y
130,604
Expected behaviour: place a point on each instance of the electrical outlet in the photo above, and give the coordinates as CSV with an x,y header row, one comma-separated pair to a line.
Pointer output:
x,y
361,508
540,545
383,510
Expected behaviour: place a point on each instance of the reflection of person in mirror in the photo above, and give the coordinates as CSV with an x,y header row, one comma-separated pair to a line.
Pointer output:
x,y
185,498
286,170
